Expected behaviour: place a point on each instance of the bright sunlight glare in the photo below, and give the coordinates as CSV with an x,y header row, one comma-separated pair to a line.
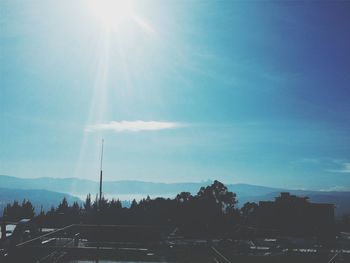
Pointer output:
x,y
111,13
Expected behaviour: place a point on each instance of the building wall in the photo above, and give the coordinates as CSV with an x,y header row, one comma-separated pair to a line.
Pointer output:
x,y
292,215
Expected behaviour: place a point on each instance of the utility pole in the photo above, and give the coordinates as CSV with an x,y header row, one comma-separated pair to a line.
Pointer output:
x,y
101,174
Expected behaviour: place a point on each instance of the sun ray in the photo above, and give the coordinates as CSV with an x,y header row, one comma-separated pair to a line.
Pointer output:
x,y
111,13
97,112
115,14
118,20
143,24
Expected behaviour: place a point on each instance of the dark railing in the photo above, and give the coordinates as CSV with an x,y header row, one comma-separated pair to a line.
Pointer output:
x,y
87,241
156,244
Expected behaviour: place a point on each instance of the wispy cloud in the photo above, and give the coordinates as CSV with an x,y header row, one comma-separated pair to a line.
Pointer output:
x,y
132,126
337,188
331,165
345,168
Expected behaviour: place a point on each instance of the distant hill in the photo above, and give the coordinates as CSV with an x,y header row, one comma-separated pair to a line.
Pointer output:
x,y
127,189
39,198
81,187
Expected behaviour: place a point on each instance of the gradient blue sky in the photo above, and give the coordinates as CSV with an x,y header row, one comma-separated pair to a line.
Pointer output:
x,y
245,92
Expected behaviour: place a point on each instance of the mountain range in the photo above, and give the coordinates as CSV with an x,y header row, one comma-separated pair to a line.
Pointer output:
x,y
39,198
53,189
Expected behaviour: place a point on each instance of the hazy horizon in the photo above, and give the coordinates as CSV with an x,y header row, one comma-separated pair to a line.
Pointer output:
x,y
202,183
181,91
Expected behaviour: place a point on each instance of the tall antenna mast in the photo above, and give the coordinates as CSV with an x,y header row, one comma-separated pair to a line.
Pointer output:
x,y
101,173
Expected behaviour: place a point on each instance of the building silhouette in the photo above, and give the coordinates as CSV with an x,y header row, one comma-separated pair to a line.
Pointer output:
x,y
296,216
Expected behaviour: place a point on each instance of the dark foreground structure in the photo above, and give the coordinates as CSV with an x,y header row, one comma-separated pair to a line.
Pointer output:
x,y
112,243
293,215
203,228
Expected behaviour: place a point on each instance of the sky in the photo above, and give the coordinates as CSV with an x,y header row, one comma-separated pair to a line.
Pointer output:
x,y
250,92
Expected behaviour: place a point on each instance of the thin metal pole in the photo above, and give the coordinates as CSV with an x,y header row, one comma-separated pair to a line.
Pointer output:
x,y
101,173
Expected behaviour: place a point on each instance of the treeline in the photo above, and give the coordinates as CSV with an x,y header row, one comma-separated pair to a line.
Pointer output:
x,y
17,211
212,210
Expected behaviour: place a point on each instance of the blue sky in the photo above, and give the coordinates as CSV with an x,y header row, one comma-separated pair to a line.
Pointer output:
x,y
241,91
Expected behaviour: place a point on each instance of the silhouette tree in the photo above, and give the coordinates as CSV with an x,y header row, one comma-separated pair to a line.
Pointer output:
x,y
183,197
249,213
74,212
133,205
211,211
63,206
40,219
87,203
16,211
27,209
218,193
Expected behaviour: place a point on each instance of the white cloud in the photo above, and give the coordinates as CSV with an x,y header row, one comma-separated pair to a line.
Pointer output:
x,y
337,188
132,126
344,169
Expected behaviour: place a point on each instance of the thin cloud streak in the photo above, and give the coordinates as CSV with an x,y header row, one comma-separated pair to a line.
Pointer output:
x,y
344,169
133,126
337,188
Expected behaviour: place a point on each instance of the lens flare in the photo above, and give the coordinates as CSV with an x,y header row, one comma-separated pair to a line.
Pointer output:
x,y
111,13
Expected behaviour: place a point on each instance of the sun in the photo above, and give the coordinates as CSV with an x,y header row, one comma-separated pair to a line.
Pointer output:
x,y
111,13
